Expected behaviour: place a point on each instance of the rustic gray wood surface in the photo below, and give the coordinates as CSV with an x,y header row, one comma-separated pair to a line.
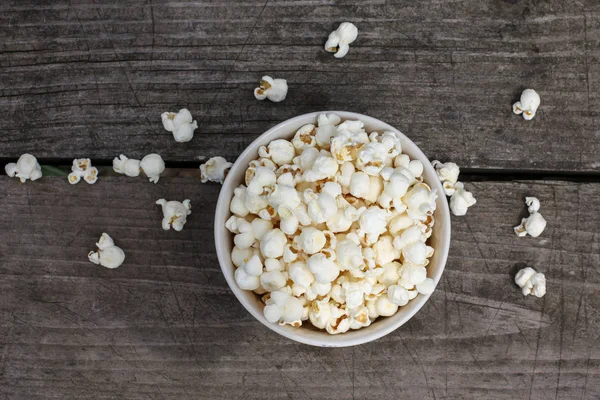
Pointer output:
x,y
165,324
89,78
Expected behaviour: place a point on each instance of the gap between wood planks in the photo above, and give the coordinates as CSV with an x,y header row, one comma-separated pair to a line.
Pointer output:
x,y
466,174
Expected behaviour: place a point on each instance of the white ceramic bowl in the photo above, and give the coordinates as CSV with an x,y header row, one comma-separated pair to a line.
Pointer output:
x,y
440,239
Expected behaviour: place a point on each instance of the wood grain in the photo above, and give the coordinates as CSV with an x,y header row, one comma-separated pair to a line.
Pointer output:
x,y
165,325
86,78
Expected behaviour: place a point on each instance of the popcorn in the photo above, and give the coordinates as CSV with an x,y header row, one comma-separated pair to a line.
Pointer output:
x,y
272,243
385,252
174,213
533,225
461,200
372,224
323,167
340,39
272,89
82,168
281,306
332,226
420,201
384,307
152,165
181,124
447,174
215,170
398,295
281,151
360,185
426,287
324,269
528,104
27,167
300,274
349,254
531,282
310,241
326,129
412,275
108,255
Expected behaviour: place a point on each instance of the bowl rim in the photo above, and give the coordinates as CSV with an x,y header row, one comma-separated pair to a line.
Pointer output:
x,y
350,338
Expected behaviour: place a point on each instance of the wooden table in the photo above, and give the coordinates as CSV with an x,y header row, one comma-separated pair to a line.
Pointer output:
x,y
87,78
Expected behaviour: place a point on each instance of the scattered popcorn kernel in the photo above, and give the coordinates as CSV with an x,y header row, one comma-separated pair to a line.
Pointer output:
x,y
528,104
533,225
272,89
126,166
215,170
181,124
174,213
108,255
531,282
82,168
340,39
152,165
27,167
461,200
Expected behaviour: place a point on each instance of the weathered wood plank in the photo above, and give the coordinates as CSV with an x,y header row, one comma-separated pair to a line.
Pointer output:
x,y
90,79
165,325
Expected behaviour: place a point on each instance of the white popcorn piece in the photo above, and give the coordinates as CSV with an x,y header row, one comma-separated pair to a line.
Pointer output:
x,y
262,183
320,313
126,166
533,225
215,170
533,204
181,124
531,282
26,167
311,240
359,318
272,89
237,205
300,274
108,255
398,295
321,207
461,200
241,256
354,294
385,307
273,243
82,168
528,104
326,129
420,201
349,254
411,275
281,151
324,269
324,167
340,39
360,185
283,307
152,165
246,281
447,173
426,287
385,252
175,213
305,137
373,223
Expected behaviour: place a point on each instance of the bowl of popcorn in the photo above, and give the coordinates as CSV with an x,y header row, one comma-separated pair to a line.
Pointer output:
x,y
331,229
